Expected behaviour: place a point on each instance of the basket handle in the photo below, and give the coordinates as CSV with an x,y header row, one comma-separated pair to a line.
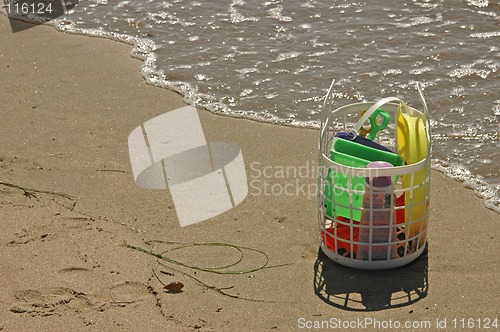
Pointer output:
x,y
377,105
426,112
384,101
422,100
328,100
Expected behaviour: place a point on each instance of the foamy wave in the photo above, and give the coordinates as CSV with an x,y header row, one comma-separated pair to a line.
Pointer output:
x,y
286,56
165,17
488,192
277,14
419,71
478,3
245,71
416,21
236,16
496,109
468,70
486,34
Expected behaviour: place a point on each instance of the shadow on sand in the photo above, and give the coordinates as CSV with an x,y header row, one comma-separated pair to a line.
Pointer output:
x,y
363,290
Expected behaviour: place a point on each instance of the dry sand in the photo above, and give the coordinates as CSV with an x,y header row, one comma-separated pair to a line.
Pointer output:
x,y
68,104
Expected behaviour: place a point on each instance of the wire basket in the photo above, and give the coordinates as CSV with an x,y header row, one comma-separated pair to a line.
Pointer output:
x,y
365,222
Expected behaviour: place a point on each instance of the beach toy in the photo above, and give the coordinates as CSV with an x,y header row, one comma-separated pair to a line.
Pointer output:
x,y
340,241
379,242
347,225
413,146
375,127
346,194
351,136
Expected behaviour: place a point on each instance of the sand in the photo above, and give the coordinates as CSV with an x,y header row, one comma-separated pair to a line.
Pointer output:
x,y
68,104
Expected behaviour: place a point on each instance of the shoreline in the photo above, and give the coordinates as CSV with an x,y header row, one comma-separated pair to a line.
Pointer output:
x,y
143,48
143,52
67,267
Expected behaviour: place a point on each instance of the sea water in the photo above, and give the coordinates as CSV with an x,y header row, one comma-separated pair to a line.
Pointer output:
x,y
274,61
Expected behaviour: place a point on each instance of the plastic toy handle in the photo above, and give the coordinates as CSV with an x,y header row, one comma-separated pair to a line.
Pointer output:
x,y
375,127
